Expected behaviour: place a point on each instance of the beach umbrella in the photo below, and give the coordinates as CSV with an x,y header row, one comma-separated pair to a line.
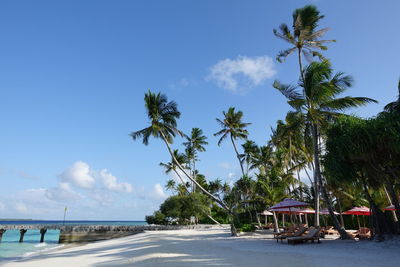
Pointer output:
x,y
391,207
266,213
289,203
358,211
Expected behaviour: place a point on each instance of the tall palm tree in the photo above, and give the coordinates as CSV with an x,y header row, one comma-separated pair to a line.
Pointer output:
x,y
163,117
319,105
172,166
195,143
233,127
250,149
305,38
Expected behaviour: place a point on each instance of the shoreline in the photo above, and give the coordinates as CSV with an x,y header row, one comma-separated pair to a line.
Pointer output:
x,y
200,247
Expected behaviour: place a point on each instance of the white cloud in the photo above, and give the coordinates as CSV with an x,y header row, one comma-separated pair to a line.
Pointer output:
x,y
79,175
21,207
62,193
158,192
240,74
2,206
110,182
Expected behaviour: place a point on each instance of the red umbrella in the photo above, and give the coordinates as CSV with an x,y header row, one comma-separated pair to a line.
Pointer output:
x,y
289,203
391,207
358,211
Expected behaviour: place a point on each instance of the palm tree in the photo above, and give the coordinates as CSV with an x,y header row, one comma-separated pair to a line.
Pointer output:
x,y
163,117
233,127
172,166
170,185
305,38
250,149
319,105
394,106
195,143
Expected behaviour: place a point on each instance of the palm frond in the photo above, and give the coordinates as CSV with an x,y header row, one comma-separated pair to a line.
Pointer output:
x,y
289,91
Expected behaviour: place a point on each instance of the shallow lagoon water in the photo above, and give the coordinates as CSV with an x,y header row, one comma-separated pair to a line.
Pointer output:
x,y
10,247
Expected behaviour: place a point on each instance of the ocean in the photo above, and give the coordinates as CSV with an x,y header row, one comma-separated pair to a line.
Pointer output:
x,y
11,248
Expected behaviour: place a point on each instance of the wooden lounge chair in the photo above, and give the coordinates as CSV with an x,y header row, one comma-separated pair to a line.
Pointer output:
x,y
331,231
362,233
313,234
288,230
296,233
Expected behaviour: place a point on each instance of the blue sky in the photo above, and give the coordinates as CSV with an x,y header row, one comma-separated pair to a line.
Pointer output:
x,y
73,75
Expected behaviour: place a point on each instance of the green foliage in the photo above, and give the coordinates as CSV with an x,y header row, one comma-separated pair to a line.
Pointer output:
x,y
156,218
180,208
246,227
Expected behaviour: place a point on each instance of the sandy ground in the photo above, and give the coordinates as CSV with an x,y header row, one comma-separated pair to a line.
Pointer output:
x,y
215,247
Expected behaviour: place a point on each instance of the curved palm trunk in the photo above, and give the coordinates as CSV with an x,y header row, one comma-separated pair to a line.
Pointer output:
x,y
237,155
223,205
318,176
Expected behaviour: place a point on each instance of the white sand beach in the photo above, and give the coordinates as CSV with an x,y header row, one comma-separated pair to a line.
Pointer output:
x,y
215,247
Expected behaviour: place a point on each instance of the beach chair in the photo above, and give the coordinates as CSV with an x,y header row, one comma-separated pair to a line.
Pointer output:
x,y
331,231
312,235
296,233
288,230
364,233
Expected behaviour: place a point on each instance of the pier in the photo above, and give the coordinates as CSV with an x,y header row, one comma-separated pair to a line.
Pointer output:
x,y
90,233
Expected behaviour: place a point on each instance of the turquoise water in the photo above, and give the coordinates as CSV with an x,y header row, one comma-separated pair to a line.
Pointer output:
x,y
11,248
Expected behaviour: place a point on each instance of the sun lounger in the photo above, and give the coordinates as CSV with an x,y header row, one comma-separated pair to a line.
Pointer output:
x,y
331,231
362,233
296,233
288,230
312,235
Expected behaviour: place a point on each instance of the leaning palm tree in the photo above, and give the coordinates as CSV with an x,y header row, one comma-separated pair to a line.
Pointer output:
x,y
163,117
317,99
233,127
305,38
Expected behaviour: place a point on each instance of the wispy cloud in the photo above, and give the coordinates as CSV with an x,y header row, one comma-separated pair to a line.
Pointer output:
x,y
240,74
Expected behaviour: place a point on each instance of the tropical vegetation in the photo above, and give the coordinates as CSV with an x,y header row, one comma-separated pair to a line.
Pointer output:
x,y
317,154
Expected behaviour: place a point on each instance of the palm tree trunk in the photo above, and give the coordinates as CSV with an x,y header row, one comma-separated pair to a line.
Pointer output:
x,y
300,64
316,174
276,226
237,155
342,231
221,203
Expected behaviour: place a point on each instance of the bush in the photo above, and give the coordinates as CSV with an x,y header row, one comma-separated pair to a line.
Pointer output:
x,y
156,218
246,227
